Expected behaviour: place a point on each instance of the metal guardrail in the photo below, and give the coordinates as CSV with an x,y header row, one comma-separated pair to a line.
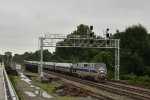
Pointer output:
x,y
6,98
11,89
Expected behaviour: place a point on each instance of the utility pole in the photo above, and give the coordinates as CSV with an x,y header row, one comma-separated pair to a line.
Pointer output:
x,y
40,69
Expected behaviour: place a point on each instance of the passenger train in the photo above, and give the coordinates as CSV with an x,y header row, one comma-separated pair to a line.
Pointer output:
x,y
94,71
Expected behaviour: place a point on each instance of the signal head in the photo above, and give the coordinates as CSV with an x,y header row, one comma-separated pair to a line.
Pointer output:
x,y
91,27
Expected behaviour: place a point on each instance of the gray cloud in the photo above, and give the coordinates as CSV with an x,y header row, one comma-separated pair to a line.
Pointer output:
x,y
23,21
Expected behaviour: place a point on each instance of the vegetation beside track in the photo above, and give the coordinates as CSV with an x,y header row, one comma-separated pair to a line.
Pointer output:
x,y
14,80
143,81
13,76
49,88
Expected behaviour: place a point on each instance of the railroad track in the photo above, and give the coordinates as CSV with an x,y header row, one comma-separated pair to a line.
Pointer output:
x,y
135,93
97,96
117,88
142,91
121,90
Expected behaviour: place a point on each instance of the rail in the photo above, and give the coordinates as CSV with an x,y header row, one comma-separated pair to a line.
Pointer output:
x,y
11,89
5,89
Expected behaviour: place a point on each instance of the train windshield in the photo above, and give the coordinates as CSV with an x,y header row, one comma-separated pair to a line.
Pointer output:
x,y
99,67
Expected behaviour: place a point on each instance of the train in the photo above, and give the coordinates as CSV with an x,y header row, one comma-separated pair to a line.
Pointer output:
x,y
94,71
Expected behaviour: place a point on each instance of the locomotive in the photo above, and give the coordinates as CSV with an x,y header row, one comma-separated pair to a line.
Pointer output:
x,y
94,71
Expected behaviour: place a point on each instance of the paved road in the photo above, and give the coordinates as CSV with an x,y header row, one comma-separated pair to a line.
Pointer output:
x,y
2,93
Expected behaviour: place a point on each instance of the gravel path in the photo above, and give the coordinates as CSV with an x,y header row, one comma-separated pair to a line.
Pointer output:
x,y
30,92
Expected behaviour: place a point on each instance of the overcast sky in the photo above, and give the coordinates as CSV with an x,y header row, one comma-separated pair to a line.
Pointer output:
x,y
23,21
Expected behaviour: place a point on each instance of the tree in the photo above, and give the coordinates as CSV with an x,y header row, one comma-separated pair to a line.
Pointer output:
x,y
47,56
81,30
68,53
7,56
105,57
135,49
17,58
136,39
77,54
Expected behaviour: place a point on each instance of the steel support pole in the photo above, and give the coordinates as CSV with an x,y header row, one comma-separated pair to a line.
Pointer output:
x,y
7,58
118,57
117,60
41,61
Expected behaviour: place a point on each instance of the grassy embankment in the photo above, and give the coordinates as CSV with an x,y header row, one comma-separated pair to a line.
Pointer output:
x,y
13,79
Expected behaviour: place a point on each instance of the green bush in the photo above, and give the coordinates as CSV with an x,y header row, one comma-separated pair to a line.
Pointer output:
x,y
143,79
110,75
128,77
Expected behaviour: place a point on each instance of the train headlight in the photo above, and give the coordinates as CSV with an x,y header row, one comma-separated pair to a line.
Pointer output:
x,y
101,71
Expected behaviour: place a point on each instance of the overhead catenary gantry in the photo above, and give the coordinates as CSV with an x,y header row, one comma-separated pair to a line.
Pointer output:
x,y
79,41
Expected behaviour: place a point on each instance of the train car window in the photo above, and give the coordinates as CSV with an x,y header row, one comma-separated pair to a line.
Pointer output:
x,y
74,70
77,64
85,65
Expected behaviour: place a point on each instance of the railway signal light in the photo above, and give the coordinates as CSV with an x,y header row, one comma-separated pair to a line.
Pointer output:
x,y
91,41
89,31
91,34
107,34
91,28
107,42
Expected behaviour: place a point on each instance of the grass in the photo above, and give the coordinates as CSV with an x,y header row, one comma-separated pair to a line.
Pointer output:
x,y
49,87
13,80
137,80
33,77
